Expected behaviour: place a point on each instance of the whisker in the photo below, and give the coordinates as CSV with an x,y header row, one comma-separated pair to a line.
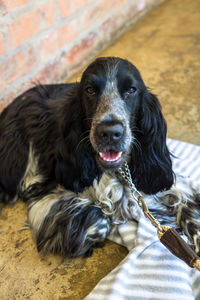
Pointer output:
x,y
136,129
137,144
83,139
85,132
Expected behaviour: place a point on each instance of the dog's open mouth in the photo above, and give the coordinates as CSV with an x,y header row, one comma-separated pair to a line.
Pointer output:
x,y
110,155
110,158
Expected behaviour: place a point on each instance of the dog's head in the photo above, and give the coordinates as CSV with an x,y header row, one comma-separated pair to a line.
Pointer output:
x,y
111,87
125,120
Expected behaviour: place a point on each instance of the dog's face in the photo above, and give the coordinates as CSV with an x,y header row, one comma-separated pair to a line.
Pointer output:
x,y
111,87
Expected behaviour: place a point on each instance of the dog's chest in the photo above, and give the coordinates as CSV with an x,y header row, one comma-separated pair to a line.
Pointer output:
x,y
113,197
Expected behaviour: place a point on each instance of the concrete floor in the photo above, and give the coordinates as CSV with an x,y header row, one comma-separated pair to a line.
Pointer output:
x,y
165,46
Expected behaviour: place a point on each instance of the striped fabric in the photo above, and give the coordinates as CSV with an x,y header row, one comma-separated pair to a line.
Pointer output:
x,y
150,271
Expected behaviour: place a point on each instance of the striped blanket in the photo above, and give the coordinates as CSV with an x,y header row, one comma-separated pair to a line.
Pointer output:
x,y
150,271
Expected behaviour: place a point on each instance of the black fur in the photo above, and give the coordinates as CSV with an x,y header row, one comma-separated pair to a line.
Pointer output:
x,y
55,121
63,229
151,165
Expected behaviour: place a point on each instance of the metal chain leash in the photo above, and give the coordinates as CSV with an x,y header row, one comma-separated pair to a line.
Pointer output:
x,y
167,235
126,175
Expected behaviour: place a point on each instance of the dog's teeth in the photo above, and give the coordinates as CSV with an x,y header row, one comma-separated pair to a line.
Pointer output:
x,y
102,155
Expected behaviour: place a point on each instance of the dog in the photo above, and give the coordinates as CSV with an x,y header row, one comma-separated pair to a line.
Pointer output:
x,y
62,144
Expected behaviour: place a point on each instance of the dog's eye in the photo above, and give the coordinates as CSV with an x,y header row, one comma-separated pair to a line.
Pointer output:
x,y
130,91
90,90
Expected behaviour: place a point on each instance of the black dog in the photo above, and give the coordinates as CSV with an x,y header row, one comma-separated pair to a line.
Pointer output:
x,y
60,146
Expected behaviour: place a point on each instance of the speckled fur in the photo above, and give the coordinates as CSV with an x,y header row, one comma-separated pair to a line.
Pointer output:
x,y
49,157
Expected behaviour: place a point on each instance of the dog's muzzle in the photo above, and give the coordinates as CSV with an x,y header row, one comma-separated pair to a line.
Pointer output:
x,y
110,141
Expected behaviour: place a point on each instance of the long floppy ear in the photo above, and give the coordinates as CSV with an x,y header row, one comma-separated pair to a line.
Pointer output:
x,y
151,165
75,164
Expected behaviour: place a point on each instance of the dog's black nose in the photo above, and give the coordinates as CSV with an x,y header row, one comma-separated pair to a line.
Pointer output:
x,y
109,133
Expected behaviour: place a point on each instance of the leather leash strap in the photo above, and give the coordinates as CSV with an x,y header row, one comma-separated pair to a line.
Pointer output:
x,y
173,241
168,236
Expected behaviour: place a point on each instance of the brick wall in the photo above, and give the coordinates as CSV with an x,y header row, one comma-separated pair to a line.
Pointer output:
x,y
48,40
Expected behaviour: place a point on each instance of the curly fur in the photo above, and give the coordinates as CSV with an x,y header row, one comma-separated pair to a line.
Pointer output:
x,y
51,143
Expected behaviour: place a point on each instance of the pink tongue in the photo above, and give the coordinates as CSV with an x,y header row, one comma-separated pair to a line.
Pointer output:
x,y
111,154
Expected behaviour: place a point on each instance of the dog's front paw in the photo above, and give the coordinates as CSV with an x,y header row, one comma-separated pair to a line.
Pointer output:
x,y
96,234
189,221
72,230
89,229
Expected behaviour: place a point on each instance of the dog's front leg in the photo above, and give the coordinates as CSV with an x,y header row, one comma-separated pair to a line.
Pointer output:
x,y
188,218
63,223
183,200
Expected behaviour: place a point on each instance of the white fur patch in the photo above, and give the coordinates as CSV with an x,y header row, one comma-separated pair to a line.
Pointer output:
x,y
113,198
196,239
31,174
99,230
38,210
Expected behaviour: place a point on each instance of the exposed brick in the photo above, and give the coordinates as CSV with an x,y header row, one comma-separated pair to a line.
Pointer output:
x,y
2,105
2,44
69,7
80,51
94,14
6,101
23,28
30,23
141,4
134,9
118,3
102,18
2,85
3,8
109,27
18,65
58,38
49,73
14,93
11,4
46,15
